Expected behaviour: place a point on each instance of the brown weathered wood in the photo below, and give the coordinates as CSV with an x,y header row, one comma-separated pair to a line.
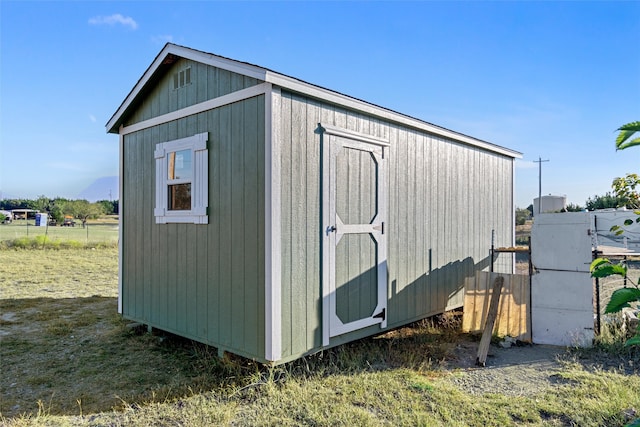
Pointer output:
x,y
513,315
483,348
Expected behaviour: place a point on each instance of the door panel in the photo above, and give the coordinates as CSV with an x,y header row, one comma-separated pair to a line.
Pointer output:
x,y
356,178
354,212
356,277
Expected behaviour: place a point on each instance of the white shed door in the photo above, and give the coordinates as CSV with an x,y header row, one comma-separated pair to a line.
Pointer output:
x,y
562,289
355,262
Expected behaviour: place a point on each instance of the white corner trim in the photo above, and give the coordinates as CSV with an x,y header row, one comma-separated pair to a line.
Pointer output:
x,y
230,98
273,251
352,135
513,213
120,222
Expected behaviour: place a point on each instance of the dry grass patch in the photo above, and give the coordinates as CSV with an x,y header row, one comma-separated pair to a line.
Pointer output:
x,y
63,273
69,359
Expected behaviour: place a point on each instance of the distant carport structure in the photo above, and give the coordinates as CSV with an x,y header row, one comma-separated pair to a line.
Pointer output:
x,y
23,213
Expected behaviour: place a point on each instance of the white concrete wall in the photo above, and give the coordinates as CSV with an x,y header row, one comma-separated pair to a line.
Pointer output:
x,y
561,287
603,220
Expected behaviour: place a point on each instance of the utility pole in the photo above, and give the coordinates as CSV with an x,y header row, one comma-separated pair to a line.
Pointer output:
x,y
539,162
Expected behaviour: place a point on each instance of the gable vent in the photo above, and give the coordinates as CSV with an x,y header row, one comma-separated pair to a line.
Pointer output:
x,y
182,78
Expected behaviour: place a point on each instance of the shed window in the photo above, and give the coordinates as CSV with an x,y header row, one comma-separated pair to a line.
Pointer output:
x,y
182,180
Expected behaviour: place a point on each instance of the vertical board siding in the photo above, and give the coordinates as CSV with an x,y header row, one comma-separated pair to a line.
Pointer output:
x,y
205,282
298,209
444,199
206,83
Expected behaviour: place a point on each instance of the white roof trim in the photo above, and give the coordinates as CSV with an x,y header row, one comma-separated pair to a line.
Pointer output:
x,y
229,98
383,113
187,53
301,87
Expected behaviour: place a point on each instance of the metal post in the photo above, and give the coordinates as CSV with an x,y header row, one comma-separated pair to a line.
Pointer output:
x,y
598,306
530,311
539,162
594,256
493,237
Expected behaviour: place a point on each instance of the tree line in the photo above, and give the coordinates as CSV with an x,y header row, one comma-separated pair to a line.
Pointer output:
x,y
59,207
625,194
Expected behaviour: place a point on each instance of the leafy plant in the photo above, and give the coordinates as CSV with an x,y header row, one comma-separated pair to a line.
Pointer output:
x,y
621,298
572,207
619,229
522,215
627,131
625,190
602,202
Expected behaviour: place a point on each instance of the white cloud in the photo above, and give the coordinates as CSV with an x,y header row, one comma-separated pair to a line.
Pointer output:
x,y
92,118
162,39
114,19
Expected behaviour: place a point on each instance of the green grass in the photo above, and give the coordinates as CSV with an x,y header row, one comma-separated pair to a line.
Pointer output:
x,y
68,359
20,235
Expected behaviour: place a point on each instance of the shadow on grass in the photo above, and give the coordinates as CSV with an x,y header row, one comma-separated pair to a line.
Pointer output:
x,y
77,356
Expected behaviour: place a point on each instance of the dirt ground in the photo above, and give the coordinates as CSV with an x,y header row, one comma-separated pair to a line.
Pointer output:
x,y
525,369
518,370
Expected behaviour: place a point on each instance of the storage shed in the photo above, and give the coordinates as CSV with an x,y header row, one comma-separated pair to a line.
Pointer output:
x,y
273,218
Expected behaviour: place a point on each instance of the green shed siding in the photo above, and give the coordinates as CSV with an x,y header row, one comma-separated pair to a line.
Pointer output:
x,y
205,282
300,213
206,83
444,199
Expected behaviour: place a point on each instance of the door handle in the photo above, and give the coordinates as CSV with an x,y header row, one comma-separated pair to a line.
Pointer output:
x,y
331,229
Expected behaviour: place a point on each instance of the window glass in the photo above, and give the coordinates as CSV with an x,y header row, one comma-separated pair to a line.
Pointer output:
x,y
179,197
180,165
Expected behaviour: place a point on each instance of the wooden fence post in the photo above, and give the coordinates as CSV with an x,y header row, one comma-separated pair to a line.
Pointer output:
x,y
483,348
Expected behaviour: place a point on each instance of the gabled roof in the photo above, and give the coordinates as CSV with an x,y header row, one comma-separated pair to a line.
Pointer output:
x,y
171,52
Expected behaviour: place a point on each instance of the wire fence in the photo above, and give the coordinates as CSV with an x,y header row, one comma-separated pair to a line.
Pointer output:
x,y
607,285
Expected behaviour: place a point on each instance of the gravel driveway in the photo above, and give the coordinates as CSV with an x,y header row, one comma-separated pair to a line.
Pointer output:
x,y
514,371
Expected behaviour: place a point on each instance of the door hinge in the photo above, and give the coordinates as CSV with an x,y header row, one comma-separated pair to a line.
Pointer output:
x,y
381,315
379,228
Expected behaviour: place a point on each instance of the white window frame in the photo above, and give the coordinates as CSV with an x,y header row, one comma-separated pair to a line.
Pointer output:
x,y
199,181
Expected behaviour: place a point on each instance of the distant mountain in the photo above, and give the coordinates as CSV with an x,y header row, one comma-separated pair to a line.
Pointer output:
x,y
105,188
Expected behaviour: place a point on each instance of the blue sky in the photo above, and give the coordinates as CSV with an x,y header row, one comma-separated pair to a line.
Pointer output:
x,y
548,79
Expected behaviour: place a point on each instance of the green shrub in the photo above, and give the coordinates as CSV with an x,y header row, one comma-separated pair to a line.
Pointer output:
x,y
43,242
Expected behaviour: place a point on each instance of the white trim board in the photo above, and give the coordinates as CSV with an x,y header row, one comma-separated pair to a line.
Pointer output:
x,y
230,98
272,218
299,86
187,53
352,135
120,222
